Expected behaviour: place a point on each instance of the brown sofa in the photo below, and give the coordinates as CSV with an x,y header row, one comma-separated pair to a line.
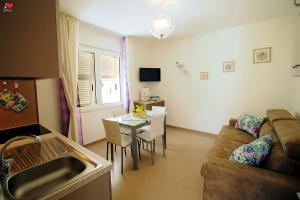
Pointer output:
x,y
278,177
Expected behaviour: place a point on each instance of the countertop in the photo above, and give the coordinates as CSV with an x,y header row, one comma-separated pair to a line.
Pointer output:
x,y
103,166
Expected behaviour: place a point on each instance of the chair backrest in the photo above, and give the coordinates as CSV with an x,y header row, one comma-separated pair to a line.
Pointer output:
x,y
157,125
119,112
112,131
159,109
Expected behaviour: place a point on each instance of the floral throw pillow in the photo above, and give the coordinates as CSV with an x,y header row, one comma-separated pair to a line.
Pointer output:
x,y
250,124
254,153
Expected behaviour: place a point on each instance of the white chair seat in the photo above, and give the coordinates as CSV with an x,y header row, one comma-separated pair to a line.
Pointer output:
x,y
125,131
126,140
146,128
146,136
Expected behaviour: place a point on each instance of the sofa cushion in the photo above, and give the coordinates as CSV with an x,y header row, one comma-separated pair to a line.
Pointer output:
x,y
266,129
250,124
254,153
223,147
288,132
279,114
278,161
237,135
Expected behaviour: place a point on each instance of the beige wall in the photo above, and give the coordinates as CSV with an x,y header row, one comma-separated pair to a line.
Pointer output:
x,y
253,88
296,60
28,40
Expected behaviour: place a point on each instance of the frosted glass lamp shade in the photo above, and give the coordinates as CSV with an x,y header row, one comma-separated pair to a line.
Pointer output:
x,y
162,26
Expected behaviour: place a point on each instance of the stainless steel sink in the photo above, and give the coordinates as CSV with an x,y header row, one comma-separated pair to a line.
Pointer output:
x,y
36,181
41,181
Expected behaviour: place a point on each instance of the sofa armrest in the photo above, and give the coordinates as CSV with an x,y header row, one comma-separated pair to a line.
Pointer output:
x,y
224,179
232,122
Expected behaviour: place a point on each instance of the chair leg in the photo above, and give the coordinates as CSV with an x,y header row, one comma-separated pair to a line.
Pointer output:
x,y
115,147
142,143
131,150
107,149
151,148
164,149
125,151
112,152
121,160
139,147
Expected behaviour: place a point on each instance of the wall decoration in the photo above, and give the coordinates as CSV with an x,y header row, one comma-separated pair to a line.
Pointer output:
x,y
12,100
181,67
203,75
228,66
262,55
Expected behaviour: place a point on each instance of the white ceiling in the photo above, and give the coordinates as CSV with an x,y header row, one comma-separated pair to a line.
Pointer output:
x,y
132,17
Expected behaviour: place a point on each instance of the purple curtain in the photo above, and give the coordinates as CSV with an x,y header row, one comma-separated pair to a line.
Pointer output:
x,y
124,75
65,114
64,109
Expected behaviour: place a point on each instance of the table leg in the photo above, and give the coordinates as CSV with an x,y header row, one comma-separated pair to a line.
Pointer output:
x,y
165,134
135,158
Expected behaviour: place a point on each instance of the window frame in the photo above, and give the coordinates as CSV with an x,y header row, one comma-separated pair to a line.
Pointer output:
x,y
98,80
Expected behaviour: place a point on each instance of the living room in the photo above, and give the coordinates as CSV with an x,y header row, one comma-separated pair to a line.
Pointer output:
x,y
221,66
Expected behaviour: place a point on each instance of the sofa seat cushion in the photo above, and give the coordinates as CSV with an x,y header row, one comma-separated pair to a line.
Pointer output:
x,y
254,153
288,132
237,135
223,147
279,114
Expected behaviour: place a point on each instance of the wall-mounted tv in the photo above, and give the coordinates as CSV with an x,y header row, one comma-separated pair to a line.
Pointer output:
x,y
149,74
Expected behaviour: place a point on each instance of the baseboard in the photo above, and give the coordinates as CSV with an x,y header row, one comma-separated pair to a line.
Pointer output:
x,y
191,130
95,142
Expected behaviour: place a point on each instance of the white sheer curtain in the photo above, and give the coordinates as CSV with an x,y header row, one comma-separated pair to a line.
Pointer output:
x,y
68,29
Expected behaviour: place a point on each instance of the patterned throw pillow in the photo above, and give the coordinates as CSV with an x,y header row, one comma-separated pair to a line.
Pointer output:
x,y
250,124
254,153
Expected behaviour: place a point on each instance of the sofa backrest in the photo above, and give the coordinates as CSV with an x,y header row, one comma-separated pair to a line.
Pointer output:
x,y
279,114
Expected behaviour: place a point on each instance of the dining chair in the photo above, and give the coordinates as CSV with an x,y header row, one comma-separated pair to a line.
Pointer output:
x,y
152,132
114,137
156,110
117,113
159,109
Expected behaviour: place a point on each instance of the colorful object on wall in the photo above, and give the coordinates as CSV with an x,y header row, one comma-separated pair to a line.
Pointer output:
x,y
12,100
203,75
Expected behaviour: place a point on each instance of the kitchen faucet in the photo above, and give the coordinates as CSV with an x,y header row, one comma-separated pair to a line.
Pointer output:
x,y
5,164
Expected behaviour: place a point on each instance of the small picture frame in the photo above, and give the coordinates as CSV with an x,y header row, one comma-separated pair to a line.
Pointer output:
x,y
203,75
228,66
262,55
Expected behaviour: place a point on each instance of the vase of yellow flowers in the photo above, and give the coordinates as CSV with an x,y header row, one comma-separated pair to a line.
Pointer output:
x,y
139,111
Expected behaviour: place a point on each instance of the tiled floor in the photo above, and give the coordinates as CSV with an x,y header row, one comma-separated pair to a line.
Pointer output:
x,y
175,177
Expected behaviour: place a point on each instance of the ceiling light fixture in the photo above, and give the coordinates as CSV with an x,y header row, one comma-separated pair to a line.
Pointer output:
x,y
162,26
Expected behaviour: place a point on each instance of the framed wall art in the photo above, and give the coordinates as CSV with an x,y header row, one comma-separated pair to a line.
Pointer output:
x,y
228,66
262,55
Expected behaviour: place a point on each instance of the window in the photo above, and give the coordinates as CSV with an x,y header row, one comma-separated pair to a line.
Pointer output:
x,y
110,76
98,77
86,81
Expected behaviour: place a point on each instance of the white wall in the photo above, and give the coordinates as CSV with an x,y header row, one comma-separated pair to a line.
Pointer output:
x,y
92,36
296,60
253,88
47,91
139,55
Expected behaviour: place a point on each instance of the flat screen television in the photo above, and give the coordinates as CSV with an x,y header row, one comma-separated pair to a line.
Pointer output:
x,y
149,74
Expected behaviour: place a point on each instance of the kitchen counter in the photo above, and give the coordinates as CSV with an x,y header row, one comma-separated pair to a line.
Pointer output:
x,y
102,168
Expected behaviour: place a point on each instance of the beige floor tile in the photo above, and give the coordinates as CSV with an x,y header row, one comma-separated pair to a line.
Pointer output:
x,y
175,177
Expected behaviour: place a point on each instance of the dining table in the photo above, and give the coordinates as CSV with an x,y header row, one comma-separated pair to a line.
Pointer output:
x,y
134,123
